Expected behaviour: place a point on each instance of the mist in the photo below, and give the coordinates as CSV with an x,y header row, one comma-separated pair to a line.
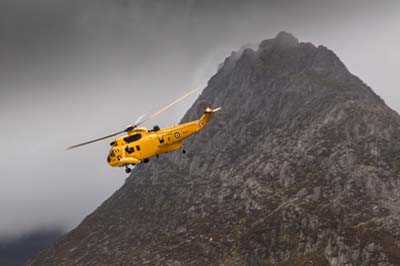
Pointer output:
x,y
75,70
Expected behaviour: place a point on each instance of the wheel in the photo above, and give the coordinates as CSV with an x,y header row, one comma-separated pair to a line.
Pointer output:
x,y
146,160
127,170
183,151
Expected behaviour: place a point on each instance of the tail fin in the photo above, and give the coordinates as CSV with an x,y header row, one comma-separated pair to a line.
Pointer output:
x,y
203,121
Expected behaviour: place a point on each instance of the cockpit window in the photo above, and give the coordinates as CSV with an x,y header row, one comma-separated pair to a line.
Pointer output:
x,y
133,138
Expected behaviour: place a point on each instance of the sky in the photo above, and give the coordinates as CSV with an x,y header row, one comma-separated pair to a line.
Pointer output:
x,y
74,70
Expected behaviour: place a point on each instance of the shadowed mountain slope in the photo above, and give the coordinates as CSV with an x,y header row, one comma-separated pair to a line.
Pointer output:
x,y
301,167
14,252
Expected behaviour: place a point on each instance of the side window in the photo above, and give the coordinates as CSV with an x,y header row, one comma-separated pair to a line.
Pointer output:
x,y
133,138
161,139
129,149
137,147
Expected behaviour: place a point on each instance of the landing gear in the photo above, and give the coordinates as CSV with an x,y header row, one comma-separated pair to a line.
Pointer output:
x,y
183,151
127,170
146,160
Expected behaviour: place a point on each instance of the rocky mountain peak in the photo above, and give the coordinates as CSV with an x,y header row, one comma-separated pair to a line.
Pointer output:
x,y
287,55
301,167
282,40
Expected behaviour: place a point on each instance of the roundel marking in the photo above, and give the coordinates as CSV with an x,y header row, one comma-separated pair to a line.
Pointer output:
x,y
177,135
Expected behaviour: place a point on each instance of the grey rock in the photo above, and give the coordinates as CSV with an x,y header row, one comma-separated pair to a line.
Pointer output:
x,y
301,167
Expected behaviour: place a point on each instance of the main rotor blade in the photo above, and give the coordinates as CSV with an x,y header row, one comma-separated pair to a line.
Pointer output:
x,y
164,108
130,128
95,140
140,118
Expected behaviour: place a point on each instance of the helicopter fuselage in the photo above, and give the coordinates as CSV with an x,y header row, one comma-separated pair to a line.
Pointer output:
x,y
141,144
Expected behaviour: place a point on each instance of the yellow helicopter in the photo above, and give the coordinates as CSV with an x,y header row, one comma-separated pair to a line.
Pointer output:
x,y
140,144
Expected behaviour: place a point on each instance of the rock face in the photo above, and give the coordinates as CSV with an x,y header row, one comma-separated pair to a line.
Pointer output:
x,y
301,167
